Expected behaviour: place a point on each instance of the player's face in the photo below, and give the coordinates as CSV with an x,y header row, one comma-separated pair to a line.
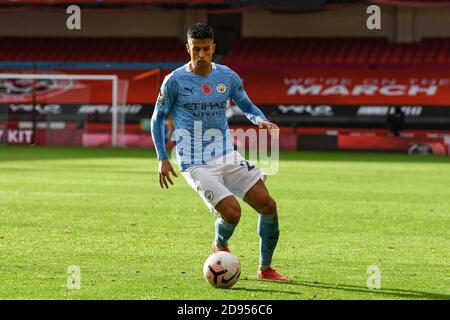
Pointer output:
x,y
201,52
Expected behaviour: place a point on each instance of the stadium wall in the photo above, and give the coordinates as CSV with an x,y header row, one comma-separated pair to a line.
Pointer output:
x,y
339,22
94,24
398,24
432,22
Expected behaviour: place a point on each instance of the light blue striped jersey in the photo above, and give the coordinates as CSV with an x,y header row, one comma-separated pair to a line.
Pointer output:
x,y
197,105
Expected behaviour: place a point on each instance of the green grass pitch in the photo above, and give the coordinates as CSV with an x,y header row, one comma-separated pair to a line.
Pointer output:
x,y
103,210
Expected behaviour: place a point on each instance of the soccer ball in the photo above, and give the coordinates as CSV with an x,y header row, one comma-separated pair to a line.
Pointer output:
x,y
222,269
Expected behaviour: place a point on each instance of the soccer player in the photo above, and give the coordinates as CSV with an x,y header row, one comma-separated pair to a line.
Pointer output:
x,y
195,96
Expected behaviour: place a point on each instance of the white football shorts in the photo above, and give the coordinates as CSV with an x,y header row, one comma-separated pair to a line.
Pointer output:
x,y
226,176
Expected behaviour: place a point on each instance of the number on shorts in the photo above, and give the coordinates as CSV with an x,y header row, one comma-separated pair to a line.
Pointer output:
x,y
246,163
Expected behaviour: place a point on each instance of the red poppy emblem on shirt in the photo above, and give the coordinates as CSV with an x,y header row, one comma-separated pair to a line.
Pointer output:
x,y
206,89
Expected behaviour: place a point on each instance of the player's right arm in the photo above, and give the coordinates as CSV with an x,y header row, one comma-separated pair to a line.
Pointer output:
x,y
162,108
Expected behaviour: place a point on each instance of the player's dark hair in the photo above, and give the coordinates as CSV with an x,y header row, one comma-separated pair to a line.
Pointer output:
x,y
200,31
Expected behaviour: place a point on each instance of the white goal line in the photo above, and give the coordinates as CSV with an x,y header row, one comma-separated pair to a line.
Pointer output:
x,y
113,78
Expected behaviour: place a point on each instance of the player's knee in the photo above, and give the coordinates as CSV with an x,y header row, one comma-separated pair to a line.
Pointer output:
x,y
232,213
269,206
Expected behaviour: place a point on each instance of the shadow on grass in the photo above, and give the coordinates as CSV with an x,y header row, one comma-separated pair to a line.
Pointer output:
x,y
16,153
267,291
398,293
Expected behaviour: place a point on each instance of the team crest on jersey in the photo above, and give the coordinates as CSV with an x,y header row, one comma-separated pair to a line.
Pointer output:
x,y
221,88
206,89
209,195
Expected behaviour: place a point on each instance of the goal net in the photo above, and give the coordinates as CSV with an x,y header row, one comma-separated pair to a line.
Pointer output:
x,y
51,108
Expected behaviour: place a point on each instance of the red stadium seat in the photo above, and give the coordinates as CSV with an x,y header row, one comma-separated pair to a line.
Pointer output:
x,y
91,49
352,51
338,51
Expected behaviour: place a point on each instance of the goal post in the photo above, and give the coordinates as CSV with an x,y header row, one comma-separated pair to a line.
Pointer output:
x,y
102,77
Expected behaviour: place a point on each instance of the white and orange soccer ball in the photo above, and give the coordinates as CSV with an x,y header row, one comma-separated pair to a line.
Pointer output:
x,y
222,269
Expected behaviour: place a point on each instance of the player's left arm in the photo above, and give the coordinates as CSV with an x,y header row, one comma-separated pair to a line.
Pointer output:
x,y
252,112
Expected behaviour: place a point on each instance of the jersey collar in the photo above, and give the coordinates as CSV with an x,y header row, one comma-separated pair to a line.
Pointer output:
x,y
186,67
